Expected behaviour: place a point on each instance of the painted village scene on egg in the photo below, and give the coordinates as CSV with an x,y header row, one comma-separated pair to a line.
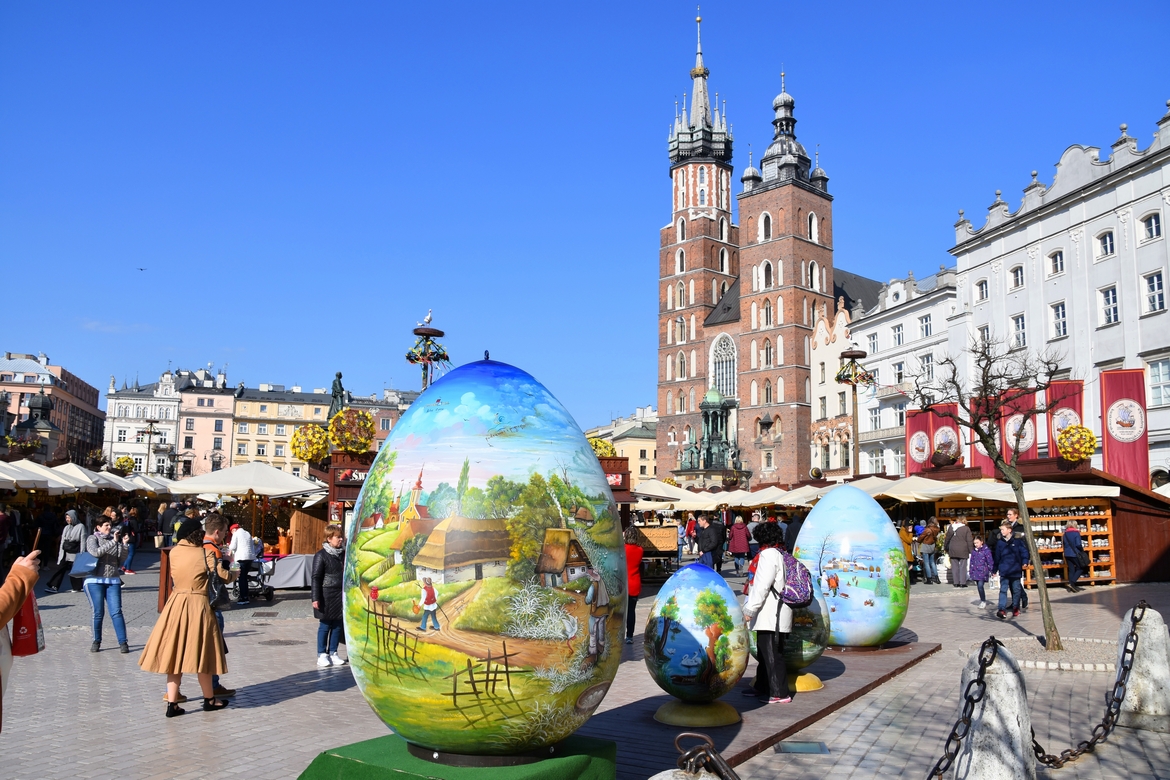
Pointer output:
x,y
483,599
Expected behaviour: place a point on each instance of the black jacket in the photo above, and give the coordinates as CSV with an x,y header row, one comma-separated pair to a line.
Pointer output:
x,y
327,573
711,537
792,532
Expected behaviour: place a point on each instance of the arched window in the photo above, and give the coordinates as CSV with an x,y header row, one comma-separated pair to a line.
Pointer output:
x,y
714,291
681,372
779,394
681,230
777,428
767,353
806,350
723,261
814,276
691,299
669,400
694,372
722,229
691,398
680,262
779,351
669,376
767,314
669,296
779,310
702,176
672,434
755,278
807,390
755,394
753,357
723,366
768,459
767,274
678,407
687,435
804,305
682,296
722,289
767,392
813,228
123,411
766,227
680,331
702,197
755,317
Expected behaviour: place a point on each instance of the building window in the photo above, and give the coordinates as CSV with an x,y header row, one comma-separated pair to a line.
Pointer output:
x,y
1160,382
199,402
280,430
767,353
263,408
680,265
875,419
121,434
724,365
211,402
981,290
316,411
219,426
188,442
924,326
1019,332
899,373
242,428
722,261
1017,277
900,461
767,274
897,331
296,471
1109,311
900,414
278,450
768,460
822,373
217,443
189,425
873,345
262,429
261,449
241,448
767,391
813,229
682,229
1152,226
682,368
824,405
138,464
984,333
1155,296
877,462
926,362
1059,320
766,227
841,403
1056,263
642,471
1105,244
385,423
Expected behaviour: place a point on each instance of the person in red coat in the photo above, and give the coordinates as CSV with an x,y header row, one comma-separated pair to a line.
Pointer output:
x,y
739,543
633,580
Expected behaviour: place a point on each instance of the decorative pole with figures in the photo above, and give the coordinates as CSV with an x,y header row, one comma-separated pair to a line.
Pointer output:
x,y
427,353
853,373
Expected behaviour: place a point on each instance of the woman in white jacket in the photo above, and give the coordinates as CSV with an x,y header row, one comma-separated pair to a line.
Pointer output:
x,y
769,617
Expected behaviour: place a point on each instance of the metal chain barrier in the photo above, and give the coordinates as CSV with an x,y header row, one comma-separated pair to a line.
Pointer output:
x,y
1113,701
703,756
976,689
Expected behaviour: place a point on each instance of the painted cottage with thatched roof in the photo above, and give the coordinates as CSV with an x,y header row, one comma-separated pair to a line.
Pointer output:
x,y
562,558
461,549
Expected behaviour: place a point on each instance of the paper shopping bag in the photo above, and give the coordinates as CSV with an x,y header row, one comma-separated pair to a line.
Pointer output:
x,y
28,636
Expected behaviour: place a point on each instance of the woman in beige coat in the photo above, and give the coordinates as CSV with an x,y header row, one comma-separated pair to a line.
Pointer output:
x,y
186,638
769,617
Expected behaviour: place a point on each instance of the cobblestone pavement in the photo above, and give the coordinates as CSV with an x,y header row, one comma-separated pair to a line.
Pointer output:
x,y
71,713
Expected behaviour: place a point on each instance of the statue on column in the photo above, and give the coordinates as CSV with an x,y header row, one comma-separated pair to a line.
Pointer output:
x,y
338,393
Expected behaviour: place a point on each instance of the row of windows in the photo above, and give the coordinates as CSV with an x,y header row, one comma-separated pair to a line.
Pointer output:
x,y
189,443
189,425
261,428
141,436
814,276
261,449
724,188
898,333
812,225
144,412
680,230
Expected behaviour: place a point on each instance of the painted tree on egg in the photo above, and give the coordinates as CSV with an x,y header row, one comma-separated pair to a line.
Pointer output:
x,y
712,616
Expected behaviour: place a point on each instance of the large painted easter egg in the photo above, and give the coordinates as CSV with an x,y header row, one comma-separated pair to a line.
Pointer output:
x,y
485,580
852,550
809,636
695,639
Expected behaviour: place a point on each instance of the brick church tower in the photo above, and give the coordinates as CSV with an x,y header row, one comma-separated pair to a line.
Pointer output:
x,y
734,391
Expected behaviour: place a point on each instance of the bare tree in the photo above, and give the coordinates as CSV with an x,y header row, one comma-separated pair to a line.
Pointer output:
x,y
1001,378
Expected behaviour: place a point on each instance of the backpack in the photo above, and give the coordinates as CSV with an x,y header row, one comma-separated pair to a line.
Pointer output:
x,y
797,582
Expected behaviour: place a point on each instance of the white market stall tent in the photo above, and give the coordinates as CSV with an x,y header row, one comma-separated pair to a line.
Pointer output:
x,y
257,478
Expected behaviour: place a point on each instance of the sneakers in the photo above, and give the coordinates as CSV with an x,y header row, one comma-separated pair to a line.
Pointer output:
x,y
95,647
337,660
50,589
124,648
129,571
999,613
778,700
223,693
982,605
629,640
323,660
1015,613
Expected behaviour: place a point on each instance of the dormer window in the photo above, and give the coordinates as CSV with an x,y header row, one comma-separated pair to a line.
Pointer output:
x,y
1017,277
981,290
1105,244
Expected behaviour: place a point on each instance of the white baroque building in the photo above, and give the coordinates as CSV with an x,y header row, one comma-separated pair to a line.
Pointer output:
x,y
1079,269
128,411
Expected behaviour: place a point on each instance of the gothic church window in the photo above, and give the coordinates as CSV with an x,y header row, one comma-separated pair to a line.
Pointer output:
x,y
681,230
682,369
767,392
680,331
767,314
755,394
767,274
814,277
766,227
767,353
702,176
722,261
669,296
680,262
702,197
681,296
753,356
722,289
722,229
692,394
723,360
813,228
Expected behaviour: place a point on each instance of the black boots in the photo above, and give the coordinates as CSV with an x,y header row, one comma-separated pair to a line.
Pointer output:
x,y
174,709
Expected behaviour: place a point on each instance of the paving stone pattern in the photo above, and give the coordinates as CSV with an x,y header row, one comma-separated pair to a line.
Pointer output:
x,y
70,713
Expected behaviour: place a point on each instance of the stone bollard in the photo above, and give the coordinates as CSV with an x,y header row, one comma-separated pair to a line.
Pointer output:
x,y
999,744
1147,696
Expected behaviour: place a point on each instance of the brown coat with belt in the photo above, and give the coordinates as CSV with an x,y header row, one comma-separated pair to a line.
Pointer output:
x,y
13,593
186,637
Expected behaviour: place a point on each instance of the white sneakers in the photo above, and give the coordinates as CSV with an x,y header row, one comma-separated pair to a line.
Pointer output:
x,y
982,605
324,659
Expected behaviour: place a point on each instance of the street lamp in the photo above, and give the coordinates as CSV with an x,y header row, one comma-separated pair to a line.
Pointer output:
x,y
853,373
150,431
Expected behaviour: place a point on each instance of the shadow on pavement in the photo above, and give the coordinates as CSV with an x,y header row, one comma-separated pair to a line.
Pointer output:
x,y
329,680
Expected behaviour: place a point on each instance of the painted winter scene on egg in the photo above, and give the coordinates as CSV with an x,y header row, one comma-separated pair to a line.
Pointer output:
x,y
485,575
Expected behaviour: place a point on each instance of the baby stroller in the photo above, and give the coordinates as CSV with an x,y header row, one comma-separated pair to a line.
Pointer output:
x,y
258,579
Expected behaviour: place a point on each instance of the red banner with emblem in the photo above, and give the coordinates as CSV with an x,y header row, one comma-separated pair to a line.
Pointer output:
x,y
1124,432
928,432
1066,404
1015,423
979,457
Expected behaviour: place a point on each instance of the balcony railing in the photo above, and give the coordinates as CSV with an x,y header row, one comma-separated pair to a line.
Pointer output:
x,y
904,388
881,434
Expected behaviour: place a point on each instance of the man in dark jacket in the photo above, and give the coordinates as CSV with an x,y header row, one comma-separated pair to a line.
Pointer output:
x,y
1018,531
1010,555
793,531
710,540
719,531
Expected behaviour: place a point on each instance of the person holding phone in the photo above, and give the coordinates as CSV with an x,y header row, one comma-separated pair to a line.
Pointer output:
x,y
103,587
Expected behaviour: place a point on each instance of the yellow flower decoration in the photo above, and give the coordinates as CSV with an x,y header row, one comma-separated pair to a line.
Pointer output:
x,y
124,464
352,430
1076,443
310,443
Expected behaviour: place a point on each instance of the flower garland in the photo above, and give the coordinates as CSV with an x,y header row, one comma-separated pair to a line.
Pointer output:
x,y
352,430
310,443
1076,443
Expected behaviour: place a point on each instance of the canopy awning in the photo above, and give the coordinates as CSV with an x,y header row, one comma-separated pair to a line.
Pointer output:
x,y
39,478
258,478
661,491
100,480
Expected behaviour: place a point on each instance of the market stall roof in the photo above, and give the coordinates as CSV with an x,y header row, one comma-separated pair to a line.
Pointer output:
x,y
96,478
802,496
915,488
54,484
662,491
22,479
875,486
1164,490
80,484
315,499
260,478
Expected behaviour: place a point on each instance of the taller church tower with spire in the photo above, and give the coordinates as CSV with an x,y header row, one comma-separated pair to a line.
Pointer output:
x,y
734,381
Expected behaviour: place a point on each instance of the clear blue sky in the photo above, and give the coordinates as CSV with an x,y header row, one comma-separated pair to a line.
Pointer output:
x,y
302,181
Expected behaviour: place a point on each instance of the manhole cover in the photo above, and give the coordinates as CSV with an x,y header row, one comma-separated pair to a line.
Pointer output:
x,y
802,747
265,614
283,642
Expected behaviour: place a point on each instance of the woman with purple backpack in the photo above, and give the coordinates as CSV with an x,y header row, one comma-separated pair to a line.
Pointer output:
x,y
768,615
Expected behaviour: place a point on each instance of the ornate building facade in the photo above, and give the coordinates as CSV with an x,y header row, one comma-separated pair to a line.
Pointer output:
x,y
737,300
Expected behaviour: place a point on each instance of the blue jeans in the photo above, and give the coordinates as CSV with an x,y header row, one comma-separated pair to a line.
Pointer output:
x,y
707,560
434,616
681,545
929,567
1017,592
100,596
130,557
329,634
979,584
218,619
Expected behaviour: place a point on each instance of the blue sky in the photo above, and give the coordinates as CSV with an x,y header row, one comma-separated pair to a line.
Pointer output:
x,y
302,181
